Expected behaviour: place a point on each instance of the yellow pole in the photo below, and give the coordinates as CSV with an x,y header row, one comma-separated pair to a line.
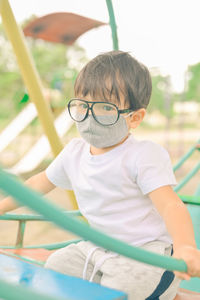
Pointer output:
x,y
30,75
32,80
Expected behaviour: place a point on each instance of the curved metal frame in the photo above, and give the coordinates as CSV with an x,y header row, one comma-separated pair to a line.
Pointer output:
x,y
52,213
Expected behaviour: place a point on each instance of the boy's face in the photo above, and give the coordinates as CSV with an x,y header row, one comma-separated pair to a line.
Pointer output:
x,y
133,119
103,125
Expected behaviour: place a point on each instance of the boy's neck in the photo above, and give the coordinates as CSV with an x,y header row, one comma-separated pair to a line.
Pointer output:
x,y
98,151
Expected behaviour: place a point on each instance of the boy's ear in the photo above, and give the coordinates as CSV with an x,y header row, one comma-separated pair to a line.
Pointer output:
x,y
137,117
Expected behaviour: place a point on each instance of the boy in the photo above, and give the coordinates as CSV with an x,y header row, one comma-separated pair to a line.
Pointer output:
x,y
122,186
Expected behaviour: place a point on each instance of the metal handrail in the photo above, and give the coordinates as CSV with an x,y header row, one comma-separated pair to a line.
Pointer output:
x,y
186,156
187,177
23,218
29,217
52,213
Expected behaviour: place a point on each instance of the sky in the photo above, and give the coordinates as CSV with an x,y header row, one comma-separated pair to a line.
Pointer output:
x,y
159,33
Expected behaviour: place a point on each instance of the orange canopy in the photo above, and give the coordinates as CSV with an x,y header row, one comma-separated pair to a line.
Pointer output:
x,y
60,27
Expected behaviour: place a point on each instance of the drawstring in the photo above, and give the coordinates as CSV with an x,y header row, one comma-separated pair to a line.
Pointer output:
x,y
98,264
87,260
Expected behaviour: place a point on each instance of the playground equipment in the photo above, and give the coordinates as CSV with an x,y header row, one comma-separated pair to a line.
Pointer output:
x,y
50,212
31,76
42,28
196,147
46,284
67,221
40,150
24,118
60,27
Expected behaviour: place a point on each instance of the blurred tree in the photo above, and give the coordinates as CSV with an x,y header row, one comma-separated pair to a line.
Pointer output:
x,y
10,78
161,94
193,83
53,62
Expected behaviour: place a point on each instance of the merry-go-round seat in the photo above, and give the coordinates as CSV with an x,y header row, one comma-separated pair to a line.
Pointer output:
x,y
42,254
51,283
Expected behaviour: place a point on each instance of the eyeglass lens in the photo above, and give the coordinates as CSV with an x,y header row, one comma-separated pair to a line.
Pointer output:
x,y
104,113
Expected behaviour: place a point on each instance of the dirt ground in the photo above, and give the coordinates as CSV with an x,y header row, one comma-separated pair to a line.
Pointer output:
x,y
45,232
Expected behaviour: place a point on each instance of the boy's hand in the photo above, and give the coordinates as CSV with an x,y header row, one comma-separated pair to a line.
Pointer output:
x,y
37,182
191,256
1,212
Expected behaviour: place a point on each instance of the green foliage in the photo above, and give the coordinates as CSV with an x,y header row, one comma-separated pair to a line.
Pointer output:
x,y
193,89
58,66
53,62
161,99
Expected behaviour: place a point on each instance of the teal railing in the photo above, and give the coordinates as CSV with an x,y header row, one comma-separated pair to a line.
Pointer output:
x,y
22,219
112,24
193,172
187,155
30,198
66,220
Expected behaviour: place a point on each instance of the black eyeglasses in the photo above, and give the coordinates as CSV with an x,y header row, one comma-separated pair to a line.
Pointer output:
x,y
104,113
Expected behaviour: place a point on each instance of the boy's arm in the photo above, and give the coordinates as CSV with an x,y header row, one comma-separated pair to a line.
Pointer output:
x,y
179,225
38,182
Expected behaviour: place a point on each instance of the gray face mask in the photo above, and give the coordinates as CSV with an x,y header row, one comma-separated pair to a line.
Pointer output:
x,y
101,136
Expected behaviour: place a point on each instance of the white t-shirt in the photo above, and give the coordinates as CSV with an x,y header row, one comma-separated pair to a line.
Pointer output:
x,y
112,188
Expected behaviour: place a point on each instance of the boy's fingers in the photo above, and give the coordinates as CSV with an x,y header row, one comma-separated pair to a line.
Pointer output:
x,y
181,275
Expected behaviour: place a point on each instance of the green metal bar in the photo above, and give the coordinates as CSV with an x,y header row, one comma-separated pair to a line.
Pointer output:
x,y
24,217
55,245
195,198
190,199
112,24
9,291
191,202
185,198
197,192
22,220
20,234
46,246
34,200
185,157
29,260
187,177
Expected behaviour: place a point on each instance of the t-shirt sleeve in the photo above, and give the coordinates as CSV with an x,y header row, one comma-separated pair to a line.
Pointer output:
x,y
153,168
57,170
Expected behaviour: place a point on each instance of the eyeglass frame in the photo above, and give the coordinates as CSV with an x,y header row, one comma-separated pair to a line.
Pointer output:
x,y
90,108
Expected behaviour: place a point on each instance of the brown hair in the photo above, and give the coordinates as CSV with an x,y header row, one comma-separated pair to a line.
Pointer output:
x,y
113,74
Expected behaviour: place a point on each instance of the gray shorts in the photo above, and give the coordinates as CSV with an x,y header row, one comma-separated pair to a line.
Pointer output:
x,y
140,281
